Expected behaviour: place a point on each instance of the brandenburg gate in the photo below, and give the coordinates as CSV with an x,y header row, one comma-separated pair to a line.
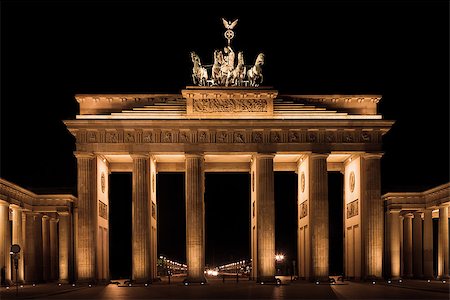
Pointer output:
x,y
228,122
231,129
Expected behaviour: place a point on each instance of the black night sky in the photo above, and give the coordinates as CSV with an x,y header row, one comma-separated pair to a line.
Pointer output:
x,y
52,50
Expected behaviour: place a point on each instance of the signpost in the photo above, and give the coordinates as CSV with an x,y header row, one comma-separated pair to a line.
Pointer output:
x,y
15,249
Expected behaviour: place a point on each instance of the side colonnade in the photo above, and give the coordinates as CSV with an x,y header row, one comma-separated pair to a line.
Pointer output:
x,y
42,226
410,235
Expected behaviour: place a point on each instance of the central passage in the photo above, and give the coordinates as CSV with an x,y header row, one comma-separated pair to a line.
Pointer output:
x,y
227,217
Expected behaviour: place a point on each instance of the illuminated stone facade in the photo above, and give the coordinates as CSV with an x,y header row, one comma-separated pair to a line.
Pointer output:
x,y
42,226
409,233
229,129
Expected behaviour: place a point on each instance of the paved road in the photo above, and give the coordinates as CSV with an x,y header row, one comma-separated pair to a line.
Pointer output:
x,y
216,289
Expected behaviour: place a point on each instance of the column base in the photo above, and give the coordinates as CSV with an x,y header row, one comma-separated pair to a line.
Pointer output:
x,y
194,280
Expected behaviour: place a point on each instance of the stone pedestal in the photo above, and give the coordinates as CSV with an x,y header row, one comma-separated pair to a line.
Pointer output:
x,y
443,254
86,238
318,195
372,216
417,245
428,244
407,246
394,236
195,218
53,249
141,206
265,214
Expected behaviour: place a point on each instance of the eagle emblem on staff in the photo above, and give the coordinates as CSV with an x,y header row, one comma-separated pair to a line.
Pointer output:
x,y
229,34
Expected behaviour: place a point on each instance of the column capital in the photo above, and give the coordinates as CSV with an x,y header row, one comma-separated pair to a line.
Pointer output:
x,y
376,155
317,155
395,210
63,213
15,207
4,203
264,155
45,217
81,154
141,155
54,220
408,215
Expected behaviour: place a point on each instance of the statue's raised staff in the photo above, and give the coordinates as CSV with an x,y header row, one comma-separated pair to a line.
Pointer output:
x,y
254,75
199,73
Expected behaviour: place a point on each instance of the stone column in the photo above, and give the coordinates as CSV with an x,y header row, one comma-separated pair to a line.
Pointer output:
x,y
64,246
443,254
5,243
53,249
394,220
141,206
428,244
372,216
417,245
33,247
17,239
195,217
87,218
45,248
407,245
318,195
265,206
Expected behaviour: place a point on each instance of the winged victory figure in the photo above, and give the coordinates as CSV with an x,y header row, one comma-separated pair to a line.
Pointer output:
x,y
228,24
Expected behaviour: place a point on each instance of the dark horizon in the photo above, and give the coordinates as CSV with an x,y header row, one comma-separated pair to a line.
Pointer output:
x,y
51,51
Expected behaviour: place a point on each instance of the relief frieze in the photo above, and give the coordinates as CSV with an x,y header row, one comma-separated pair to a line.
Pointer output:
x,y
229,105
352,209
227,136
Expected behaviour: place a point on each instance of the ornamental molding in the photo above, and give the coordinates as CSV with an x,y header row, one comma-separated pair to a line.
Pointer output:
x,y
227,135
229,105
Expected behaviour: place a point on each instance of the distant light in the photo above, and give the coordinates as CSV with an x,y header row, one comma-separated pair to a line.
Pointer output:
x,y
262,282
373,282
400,281
7,287
186,283
59,284
428,280
202,283
34,284
73,284
90,285
317,282
146,284
129,284
389,281
443,281
21,285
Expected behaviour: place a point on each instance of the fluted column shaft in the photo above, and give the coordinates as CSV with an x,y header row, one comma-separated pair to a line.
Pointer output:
x,y
428,243
443,254
45,248
407,245
265,206
318,195
17,239
417,245
33,249
53,249
372,217
5,243
64,246
141,206
195,217
394,232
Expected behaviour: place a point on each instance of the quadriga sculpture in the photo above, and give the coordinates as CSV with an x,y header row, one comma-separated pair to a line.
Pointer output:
x,y
199,73
254,75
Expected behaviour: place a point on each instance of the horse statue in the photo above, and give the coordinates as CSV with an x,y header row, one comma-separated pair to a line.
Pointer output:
x,y
236,77
199,73
216,73
254,75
